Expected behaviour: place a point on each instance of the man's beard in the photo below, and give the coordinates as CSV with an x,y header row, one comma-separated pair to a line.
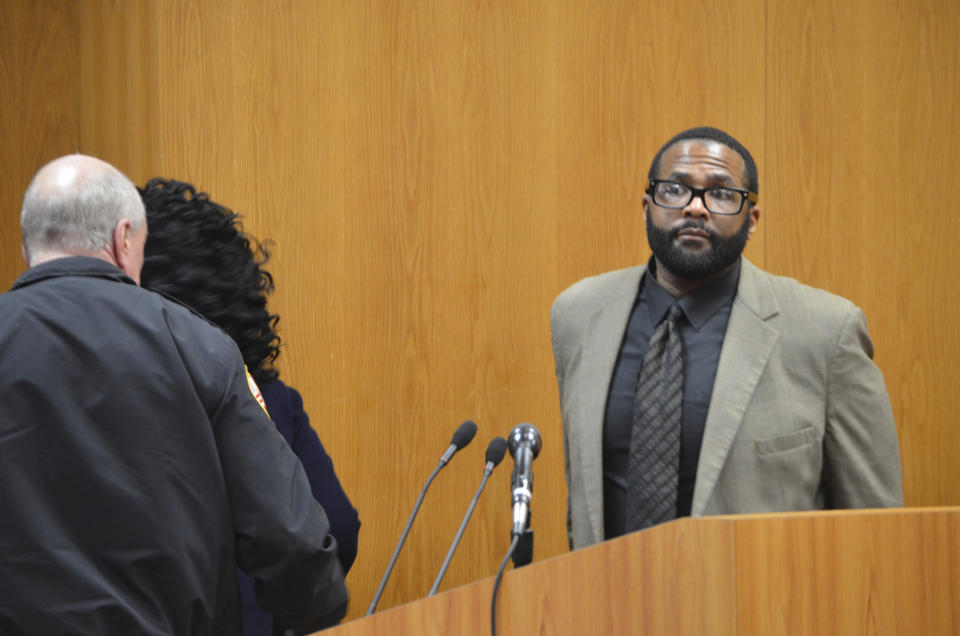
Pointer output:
x,y
696,264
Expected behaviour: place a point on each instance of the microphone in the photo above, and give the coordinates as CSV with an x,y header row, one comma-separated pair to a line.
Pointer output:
x,y
495,452
524,445
463,436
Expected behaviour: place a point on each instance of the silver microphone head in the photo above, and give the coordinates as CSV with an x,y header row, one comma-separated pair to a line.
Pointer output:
x,y
524,434
524,446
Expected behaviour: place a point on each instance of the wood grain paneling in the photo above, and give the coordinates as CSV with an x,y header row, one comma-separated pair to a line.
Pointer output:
x,y
687,585
878,572
120,66
39,114
881,572
862,119
199,70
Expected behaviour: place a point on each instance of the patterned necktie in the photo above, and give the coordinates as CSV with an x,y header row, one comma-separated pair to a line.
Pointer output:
x,y
653,466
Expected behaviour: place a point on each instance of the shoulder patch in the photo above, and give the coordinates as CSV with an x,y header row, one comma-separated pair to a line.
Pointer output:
x,y
255,391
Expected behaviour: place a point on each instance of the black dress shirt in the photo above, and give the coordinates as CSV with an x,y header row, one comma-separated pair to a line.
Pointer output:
x,y
706,311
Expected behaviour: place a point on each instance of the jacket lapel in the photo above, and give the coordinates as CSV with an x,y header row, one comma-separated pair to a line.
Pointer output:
x,y
747,345
600,349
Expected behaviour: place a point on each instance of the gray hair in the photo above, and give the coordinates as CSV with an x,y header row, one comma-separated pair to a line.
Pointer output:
x,y
73,205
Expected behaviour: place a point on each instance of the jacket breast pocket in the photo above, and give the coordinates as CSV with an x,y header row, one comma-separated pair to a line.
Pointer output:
x,y
790,468
787,442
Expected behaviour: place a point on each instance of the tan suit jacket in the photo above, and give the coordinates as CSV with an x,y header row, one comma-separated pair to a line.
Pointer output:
x,y
799,418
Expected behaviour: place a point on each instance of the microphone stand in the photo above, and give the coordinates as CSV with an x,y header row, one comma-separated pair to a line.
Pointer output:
x,y
403,538
523,554
463,436
456,539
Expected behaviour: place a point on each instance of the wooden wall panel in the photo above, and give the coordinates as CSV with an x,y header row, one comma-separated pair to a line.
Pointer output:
x,y
118,74
199,73
39,115
863,117
450,144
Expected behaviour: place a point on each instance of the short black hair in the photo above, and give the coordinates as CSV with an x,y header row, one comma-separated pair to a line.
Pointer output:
x,y
712,134
197,252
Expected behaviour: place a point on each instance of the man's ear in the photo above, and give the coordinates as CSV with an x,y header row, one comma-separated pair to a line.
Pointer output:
x,y
121,240
120,248
23,253
754,219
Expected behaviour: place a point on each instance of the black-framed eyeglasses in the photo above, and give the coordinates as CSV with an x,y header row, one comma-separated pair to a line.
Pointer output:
x,y
717,199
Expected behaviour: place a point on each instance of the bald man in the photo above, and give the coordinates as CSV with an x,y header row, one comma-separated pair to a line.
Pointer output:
x,y
137,468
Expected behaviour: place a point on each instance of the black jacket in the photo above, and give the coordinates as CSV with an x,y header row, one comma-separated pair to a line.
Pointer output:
x,y
137,470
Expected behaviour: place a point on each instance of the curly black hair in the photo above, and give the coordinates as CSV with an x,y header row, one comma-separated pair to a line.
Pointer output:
x,y
198,253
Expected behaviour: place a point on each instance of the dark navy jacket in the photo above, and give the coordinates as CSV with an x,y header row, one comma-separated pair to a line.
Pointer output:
x,y
137,471
285,407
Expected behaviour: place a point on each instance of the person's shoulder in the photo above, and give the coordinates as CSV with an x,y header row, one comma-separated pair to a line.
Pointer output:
x,y
600,285
181,313
797,300
189,327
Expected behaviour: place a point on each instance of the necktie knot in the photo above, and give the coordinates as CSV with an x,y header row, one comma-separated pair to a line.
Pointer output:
x,y
675,313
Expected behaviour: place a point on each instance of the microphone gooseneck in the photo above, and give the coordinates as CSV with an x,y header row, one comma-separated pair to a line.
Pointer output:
x,y
495,452
463,436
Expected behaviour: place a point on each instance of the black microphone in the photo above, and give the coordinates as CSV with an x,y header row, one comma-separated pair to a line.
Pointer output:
x,y
495,452
463,436
524,445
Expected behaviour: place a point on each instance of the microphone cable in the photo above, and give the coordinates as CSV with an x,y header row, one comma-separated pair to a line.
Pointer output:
x,y
496,584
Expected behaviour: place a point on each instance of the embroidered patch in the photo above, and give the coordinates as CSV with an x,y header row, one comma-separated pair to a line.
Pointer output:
x,y
255,391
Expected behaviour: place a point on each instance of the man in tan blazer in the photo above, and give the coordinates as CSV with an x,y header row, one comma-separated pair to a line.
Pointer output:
x,y
783,406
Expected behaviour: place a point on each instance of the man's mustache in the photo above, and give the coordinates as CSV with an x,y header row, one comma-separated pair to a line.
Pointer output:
x,y
694,224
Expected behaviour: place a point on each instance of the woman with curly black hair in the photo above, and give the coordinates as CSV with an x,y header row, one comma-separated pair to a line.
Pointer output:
x,y
197,253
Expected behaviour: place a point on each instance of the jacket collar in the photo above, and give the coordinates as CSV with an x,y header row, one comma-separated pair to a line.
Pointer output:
x,y
72,266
